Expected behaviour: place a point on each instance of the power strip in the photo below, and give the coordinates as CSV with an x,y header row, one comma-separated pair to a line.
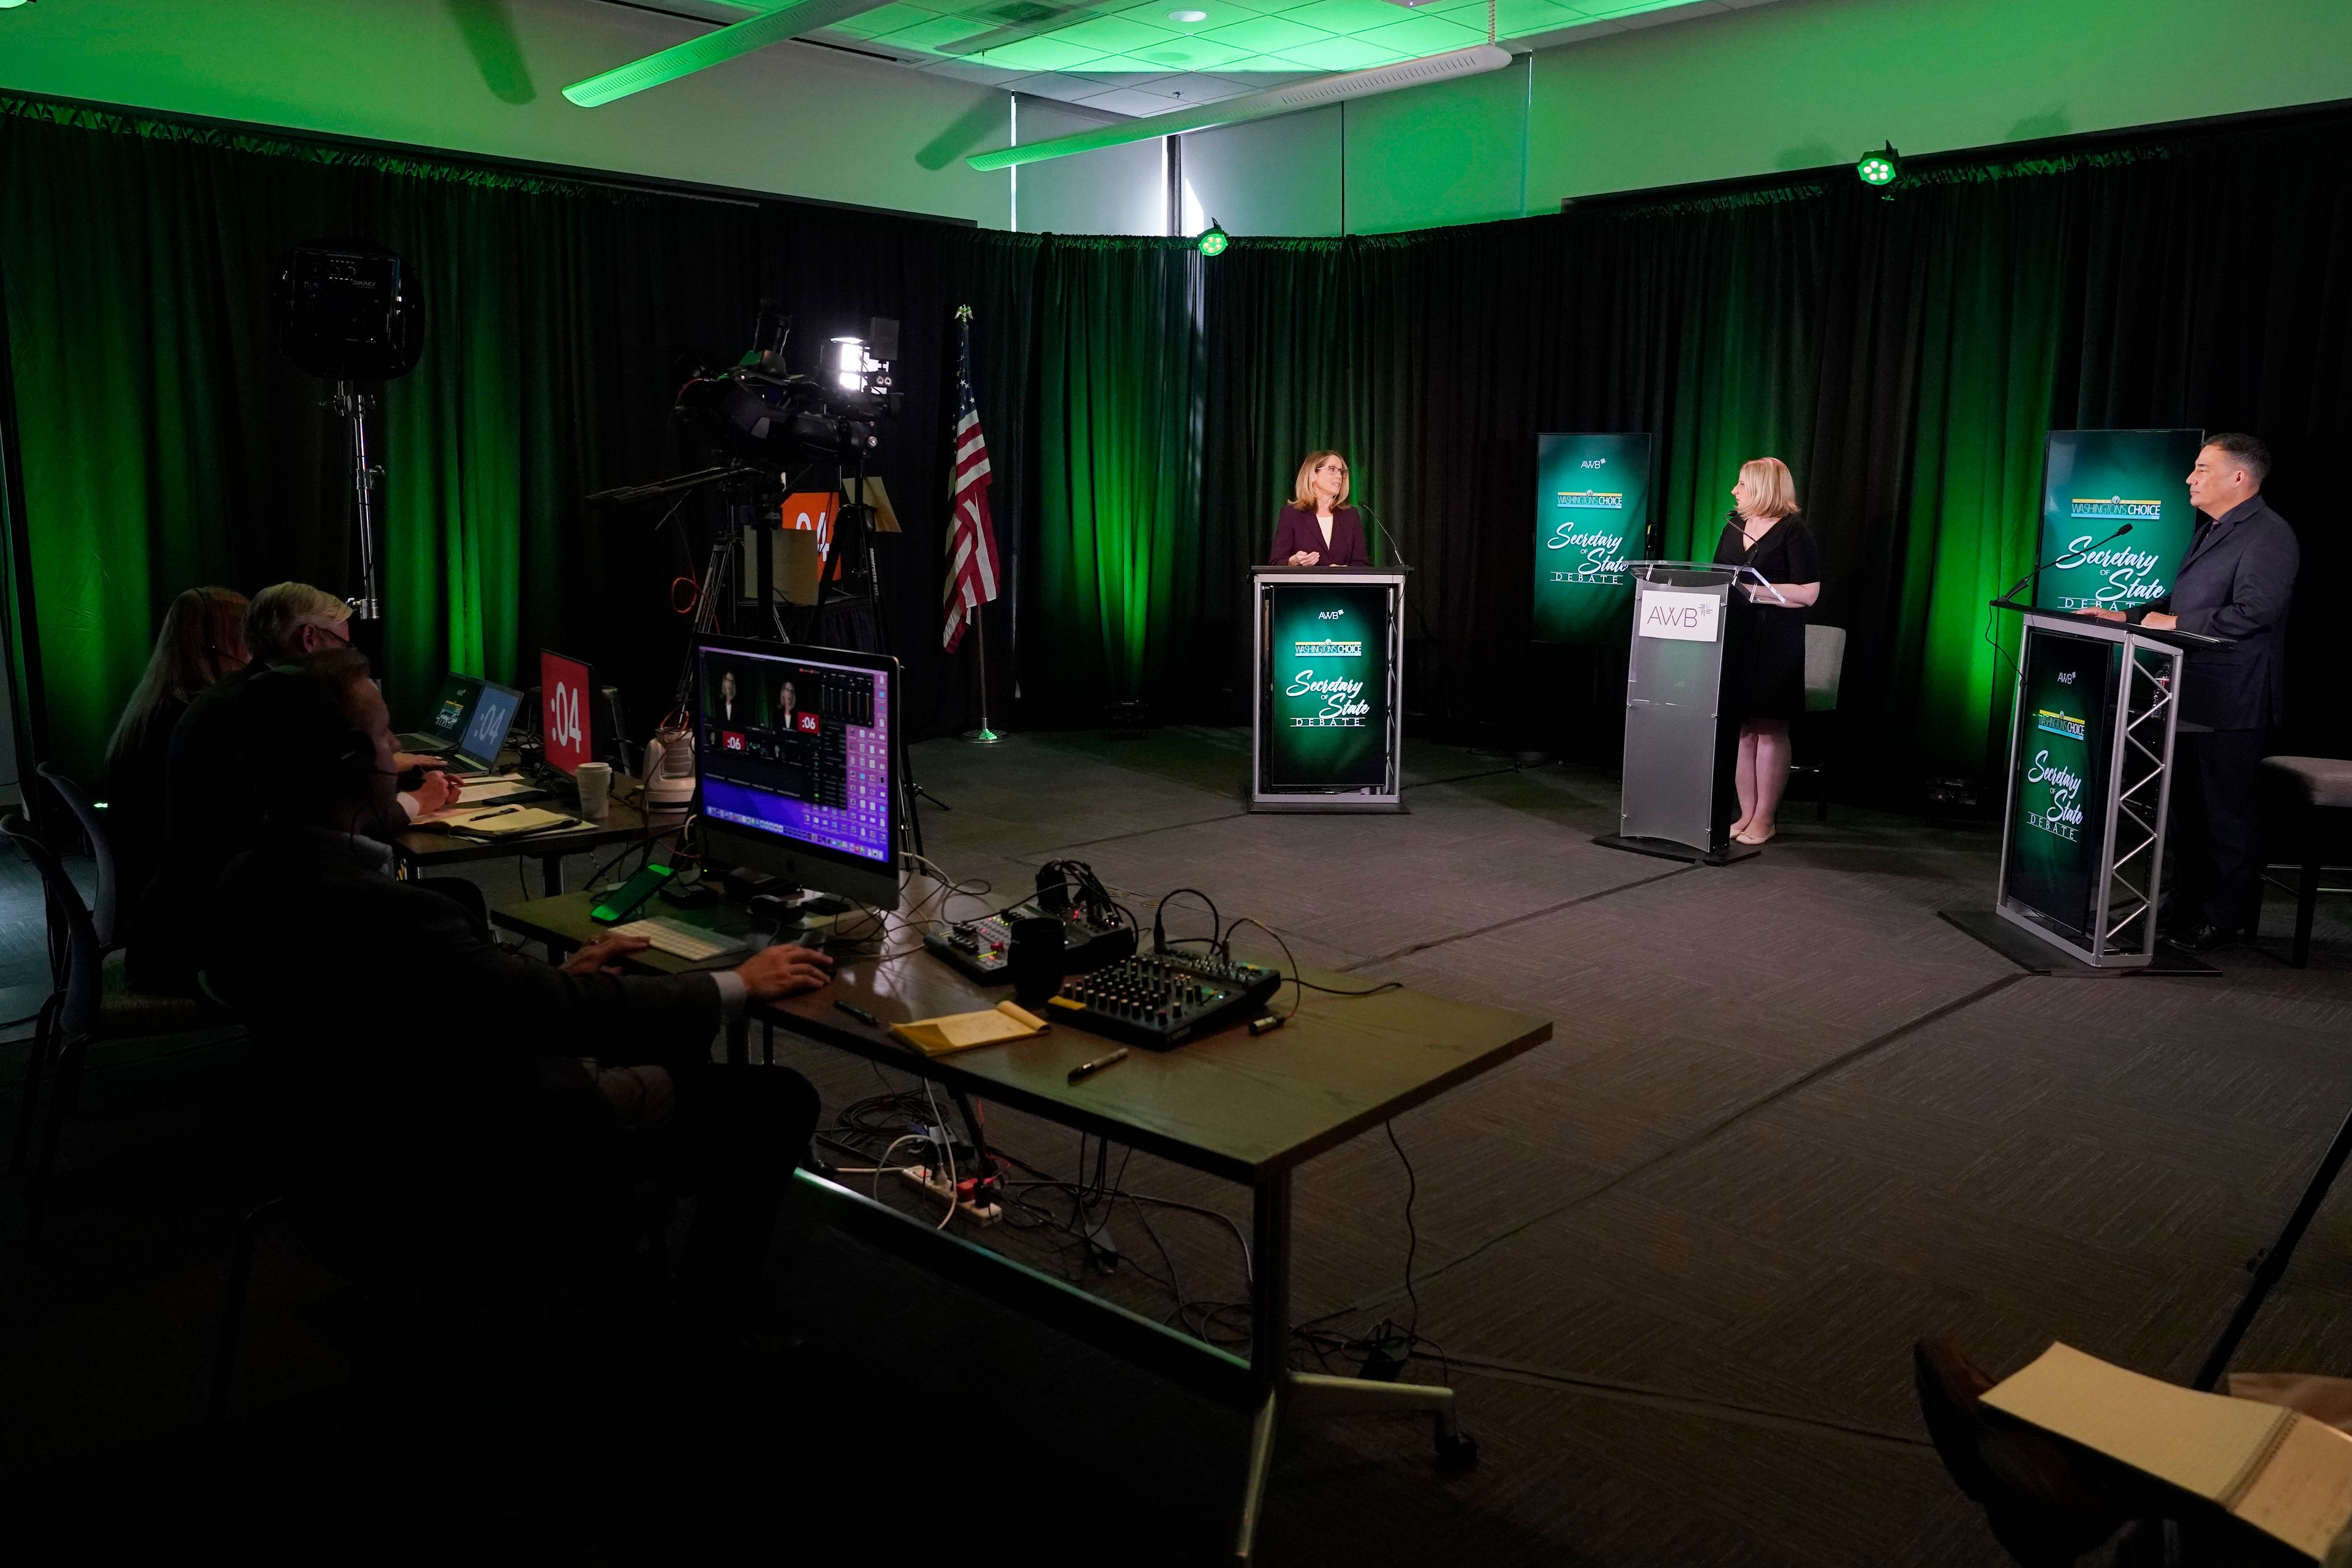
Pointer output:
x,y
937,1185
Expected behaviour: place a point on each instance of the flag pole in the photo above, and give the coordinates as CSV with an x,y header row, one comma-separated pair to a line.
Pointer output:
x,y
983,736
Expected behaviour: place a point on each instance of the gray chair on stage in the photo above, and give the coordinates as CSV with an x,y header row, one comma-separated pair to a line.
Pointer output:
x,y
1824,669
2319,829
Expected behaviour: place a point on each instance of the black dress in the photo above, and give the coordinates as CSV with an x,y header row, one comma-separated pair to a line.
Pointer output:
x,y
1774,683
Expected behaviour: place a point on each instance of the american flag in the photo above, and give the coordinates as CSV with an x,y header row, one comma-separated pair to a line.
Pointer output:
x,y
972,537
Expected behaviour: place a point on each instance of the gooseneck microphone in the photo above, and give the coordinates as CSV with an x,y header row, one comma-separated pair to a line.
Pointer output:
x,y
2062,555
1365,508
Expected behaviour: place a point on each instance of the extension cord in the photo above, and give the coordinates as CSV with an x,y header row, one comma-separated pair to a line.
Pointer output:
x,y
979,1214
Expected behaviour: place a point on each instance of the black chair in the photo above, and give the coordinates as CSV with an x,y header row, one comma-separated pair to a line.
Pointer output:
x,y
1824,670
2317,824
87,1005
105,904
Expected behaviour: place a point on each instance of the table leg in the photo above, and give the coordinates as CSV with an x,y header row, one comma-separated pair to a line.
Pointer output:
x,y
551,871
1269,1346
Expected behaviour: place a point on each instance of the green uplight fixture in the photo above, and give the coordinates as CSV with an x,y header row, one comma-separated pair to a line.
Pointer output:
x,y
1213,240
1883,167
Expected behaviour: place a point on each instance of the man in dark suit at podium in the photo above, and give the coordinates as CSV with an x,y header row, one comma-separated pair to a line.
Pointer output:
x,y
2235,581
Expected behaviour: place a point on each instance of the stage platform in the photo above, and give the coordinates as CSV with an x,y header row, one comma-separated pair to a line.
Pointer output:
x,y
1790,1119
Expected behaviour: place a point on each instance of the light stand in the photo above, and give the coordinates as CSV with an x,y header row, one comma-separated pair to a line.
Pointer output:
x,y
366,477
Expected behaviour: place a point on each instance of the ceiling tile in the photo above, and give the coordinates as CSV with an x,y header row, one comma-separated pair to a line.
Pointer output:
x,y
1115,35
1418,35
1191,54
927,34
1344,54
1266,35
1220,13
1347,16
1045,54
1513,18
875,24
1127,101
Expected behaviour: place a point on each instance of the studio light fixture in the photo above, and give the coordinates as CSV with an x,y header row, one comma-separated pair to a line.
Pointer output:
x,y
1883,167
1472,61
1213,240
714,47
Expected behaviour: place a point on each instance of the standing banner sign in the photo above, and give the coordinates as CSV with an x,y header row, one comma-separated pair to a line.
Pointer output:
x,y
2093,482
1592,515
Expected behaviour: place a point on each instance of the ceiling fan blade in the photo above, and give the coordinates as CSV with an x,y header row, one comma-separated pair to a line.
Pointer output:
x,y
715,47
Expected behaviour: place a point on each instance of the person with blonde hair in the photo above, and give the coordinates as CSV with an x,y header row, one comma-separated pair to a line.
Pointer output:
x,y
1317,527
1765,532
201,641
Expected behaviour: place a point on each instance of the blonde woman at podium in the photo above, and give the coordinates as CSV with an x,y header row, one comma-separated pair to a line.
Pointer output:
x,y
1318,528
1764,531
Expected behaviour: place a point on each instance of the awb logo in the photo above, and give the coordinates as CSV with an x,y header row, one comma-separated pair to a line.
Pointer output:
x,y
1331,615
1679,618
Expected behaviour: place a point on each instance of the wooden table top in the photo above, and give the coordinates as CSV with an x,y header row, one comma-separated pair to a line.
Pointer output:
x,y
1231,1104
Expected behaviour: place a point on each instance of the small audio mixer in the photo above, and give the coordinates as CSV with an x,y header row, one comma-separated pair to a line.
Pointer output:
x,y
1160,1000
982,949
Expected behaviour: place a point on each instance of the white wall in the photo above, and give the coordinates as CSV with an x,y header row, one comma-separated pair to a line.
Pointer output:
x,y
1118,190
487,76
1793,85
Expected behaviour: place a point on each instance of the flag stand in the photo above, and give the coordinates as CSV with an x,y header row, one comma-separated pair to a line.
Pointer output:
x,y
983,736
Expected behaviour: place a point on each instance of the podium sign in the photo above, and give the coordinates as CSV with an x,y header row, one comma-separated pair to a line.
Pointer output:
x,y
1592,516
1328,680
1680,749
2093,482
2090,783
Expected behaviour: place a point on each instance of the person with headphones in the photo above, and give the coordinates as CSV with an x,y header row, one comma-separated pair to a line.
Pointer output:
x,y
210,806
557,1083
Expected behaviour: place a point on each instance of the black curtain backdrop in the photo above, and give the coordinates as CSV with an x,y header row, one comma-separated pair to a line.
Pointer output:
x,y
1147,409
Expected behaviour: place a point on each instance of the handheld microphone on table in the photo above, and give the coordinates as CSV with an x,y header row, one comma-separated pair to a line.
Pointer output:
x,y
2062,555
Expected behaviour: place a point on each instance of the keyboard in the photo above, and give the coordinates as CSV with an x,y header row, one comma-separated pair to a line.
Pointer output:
x,y
693,943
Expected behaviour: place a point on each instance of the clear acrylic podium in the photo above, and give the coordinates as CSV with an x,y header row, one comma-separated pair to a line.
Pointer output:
x,y
1681,751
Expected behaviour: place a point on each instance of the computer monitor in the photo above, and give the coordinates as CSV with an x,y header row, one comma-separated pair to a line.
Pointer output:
x,y
798,775
445,722
567,711
486,731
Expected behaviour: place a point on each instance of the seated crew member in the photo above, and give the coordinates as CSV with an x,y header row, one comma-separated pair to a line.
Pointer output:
x,y
1764,531
211,809
201,640
2235,580
530,1102
1317,527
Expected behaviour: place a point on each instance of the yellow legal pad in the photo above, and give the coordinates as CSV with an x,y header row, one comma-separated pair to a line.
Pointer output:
x,y
961,1031
2283,1473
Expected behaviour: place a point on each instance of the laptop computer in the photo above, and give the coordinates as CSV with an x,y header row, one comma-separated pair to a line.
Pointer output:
x,y
485,735
445,722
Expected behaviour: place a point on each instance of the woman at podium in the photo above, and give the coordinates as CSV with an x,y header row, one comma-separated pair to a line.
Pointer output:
x,y
1763,531
1317,527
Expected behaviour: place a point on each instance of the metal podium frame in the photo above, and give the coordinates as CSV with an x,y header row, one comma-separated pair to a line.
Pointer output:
x,y
1386,796
2130,881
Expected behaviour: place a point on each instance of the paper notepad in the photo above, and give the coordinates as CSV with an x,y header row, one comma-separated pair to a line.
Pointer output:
x,y
961,1031
483,792
2285,1474
502,822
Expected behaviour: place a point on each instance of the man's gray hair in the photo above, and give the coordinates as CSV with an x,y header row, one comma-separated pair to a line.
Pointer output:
x,y
279,612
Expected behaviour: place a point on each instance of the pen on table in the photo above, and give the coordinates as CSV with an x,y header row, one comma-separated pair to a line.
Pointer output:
x,y
1085,1070
501,811
860,1014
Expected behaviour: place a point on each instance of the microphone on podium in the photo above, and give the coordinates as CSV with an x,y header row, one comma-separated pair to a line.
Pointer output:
x,y
1365,508
2062,555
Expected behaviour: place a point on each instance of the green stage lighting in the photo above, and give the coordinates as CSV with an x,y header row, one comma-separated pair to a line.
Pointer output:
x,y
1883,167
1213,240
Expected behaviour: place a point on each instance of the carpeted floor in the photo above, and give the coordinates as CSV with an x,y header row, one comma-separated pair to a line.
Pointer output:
x,y
1789,1120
